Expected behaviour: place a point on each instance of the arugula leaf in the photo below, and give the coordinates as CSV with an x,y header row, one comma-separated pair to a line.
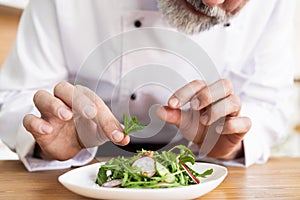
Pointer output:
x,y
102,177
202,175
206,173
186,158
132,125
183,150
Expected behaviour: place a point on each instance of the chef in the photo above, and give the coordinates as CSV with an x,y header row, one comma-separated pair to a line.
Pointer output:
x,y
71,76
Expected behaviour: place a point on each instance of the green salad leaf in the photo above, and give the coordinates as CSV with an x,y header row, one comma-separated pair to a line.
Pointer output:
x,y
164,170
132,125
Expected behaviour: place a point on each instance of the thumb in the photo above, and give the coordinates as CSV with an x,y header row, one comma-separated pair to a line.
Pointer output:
x,y
169,115
186,120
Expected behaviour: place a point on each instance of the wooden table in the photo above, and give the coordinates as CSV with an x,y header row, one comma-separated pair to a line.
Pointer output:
x,y
278,179
9,20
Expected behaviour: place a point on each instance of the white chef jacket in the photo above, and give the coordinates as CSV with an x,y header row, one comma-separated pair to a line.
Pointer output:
x,y
55,37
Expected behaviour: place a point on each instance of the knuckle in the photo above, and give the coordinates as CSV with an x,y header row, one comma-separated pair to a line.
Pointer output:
x,y
108,125
28,123
236,102
214,114
78,87
25,122
37,96
197,82
248,124
230,126
205,96
227,84
55,105
101,136
81,88
61,85
78,94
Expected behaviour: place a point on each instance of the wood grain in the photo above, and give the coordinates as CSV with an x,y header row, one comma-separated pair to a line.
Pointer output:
x,y
278,179
17,183
9,19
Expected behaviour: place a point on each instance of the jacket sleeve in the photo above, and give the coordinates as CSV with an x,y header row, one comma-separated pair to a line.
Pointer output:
x,y
267,94
35,62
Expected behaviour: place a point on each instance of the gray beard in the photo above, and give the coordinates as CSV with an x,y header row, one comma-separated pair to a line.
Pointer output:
x,y
179,15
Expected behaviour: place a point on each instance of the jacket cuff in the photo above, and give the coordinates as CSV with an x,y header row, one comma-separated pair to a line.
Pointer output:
x,y
25,149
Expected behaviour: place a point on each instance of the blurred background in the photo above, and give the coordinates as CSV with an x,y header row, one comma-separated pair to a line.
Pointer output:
x,y
11,10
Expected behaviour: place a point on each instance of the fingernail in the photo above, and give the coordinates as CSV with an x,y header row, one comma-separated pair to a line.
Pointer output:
x,y
195,104
174,102
65,113
204,119
45,129
89,111
117,136
219,129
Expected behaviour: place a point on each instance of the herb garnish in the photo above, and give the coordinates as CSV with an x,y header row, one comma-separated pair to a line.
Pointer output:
x,y
132,125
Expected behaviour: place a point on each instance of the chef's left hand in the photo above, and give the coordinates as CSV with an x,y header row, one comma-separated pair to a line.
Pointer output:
x,y
209,106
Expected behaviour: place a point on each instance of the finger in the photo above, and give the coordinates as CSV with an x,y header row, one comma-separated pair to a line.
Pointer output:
x,y
234,125
75,99
186,120
36,125
125,141
49,105
208,95
229,106
172,116
183,119
184,94
90,106
105,118
96,136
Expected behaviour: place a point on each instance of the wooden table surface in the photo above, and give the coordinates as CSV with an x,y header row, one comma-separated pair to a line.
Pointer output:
x,y
9,20
278,179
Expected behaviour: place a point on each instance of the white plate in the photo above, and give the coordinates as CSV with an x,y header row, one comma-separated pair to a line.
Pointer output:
x,y
82,181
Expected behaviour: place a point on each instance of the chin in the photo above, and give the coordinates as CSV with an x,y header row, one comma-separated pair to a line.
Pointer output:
x,y
191,16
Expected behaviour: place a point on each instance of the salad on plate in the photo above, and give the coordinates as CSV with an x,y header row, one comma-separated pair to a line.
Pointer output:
x,y
151,169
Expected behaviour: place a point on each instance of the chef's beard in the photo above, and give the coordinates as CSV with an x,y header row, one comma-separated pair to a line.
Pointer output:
x,y
181,17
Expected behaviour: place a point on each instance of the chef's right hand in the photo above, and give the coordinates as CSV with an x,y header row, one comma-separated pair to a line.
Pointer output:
x,y
72,119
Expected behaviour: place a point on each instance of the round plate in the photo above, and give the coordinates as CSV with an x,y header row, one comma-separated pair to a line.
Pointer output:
x,y
82,181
